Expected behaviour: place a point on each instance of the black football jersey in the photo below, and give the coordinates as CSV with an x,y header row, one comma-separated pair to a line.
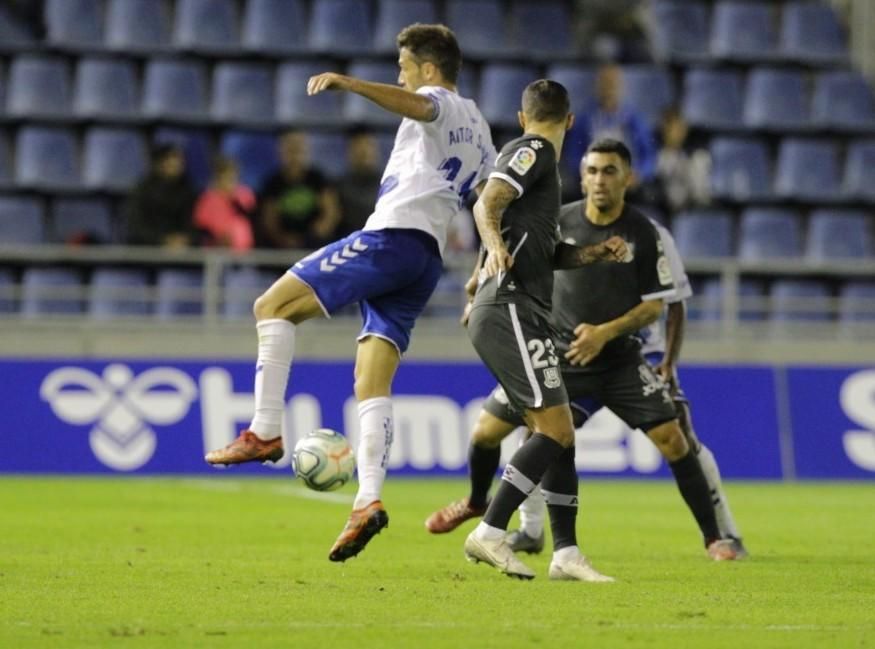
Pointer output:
x,y
528,225
605,290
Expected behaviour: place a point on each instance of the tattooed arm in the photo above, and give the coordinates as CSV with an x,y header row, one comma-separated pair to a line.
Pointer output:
x,y
569,256
488,210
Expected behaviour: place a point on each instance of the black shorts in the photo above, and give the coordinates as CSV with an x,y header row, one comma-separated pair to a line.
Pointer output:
x,y
517,345
631,389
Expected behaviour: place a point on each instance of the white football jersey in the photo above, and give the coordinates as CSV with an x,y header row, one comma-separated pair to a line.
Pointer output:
x,y
433,165
652,336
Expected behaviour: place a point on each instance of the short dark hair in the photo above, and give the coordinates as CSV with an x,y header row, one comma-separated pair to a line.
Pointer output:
x,y
434,44
546,100
610,145
163,151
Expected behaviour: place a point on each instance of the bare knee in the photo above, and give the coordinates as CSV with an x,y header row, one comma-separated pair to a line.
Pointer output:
x,y
669,439
264,309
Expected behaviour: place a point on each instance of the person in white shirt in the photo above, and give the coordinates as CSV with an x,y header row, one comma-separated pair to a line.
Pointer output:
x,y
443,149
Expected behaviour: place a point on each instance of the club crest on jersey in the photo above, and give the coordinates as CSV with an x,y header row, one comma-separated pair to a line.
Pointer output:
x,y
523,160
663,270
552,378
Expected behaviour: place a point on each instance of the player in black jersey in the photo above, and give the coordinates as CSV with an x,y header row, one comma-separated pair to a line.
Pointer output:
x,y
598,309
509,326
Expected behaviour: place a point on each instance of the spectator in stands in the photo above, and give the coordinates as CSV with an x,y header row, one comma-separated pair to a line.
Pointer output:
x,y
609,116
357,188
613,30
159,208
299,207
682,168
224,210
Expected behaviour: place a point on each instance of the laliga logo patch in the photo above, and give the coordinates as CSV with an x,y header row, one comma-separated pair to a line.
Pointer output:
x,y
523,160
120,405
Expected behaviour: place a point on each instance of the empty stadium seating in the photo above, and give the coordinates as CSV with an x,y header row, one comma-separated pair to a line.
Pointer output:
x,y
704,233
137,25
105,88
21,221
743,30
115,292
81,220
179,293
274,26
766,234
51,291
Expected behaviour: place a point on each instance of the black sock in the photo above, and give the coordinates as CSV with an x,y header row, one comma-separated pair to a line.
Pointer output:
x,y
694,488
559,485
521,476
482,465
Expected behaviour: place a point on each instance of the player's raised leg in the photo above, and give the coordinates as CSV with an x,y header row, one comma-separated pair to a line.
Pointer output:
x,y
288,302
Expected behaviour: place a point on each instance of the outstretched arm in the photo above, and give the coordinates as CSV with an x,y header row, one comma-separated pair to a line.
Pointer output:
x,y
488,210
570,256
393,98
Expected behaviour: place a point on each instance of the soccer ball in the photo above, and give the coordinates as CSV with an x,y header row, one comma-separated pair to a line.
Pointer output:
x,y
323,460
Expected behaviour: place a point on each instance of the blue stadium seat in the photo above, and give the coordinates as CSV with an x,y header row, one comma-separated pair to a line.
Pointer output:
x,y
46,158
394,15
680,29
843,100
713,98
703,233
650,89
21,221
808,169
541,27
255,153
76,219
740,168
796,300
776,98
38,86
358,109
708,300
769,233
73,23
328,152
243,92
105,88
743,30
292,102
839,234
197,146
180,293
175,89
340,26
5,161
113,159
468,82
859,180
810,31
385,143
501,88
50,291
274,26
206,25
479,26
137,25
242,286
8,281
578,79
857,303
118,292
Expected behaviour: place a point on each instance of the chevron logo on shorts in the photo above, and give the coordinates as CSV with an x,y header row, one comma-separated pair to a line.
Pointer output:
x,y
340,258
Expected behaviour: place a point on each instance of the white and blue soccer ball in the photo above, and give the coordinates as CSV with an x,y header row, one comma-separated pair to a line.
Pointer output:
x,y
324,460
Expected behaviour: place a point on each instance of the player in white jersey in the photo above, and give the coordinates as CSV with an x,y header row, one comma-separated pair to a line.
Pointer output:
x,y
442,150
661,345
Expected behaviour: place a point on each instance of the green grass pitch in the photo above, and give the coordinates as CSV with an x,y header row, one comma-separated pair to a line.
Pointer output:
x,y
224,562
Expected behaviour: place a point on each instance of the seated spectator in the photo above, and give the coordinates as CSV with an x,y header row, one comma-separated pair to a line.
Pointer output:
x,y
158,210
357,188
224,210
299,207
683,169
613,30
609,116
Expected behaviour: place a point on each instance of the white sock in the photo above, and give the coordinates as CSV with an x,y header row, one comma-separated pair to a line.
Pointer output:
x,y
487,532
566,554
375,442
276,346
532,514
725,522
